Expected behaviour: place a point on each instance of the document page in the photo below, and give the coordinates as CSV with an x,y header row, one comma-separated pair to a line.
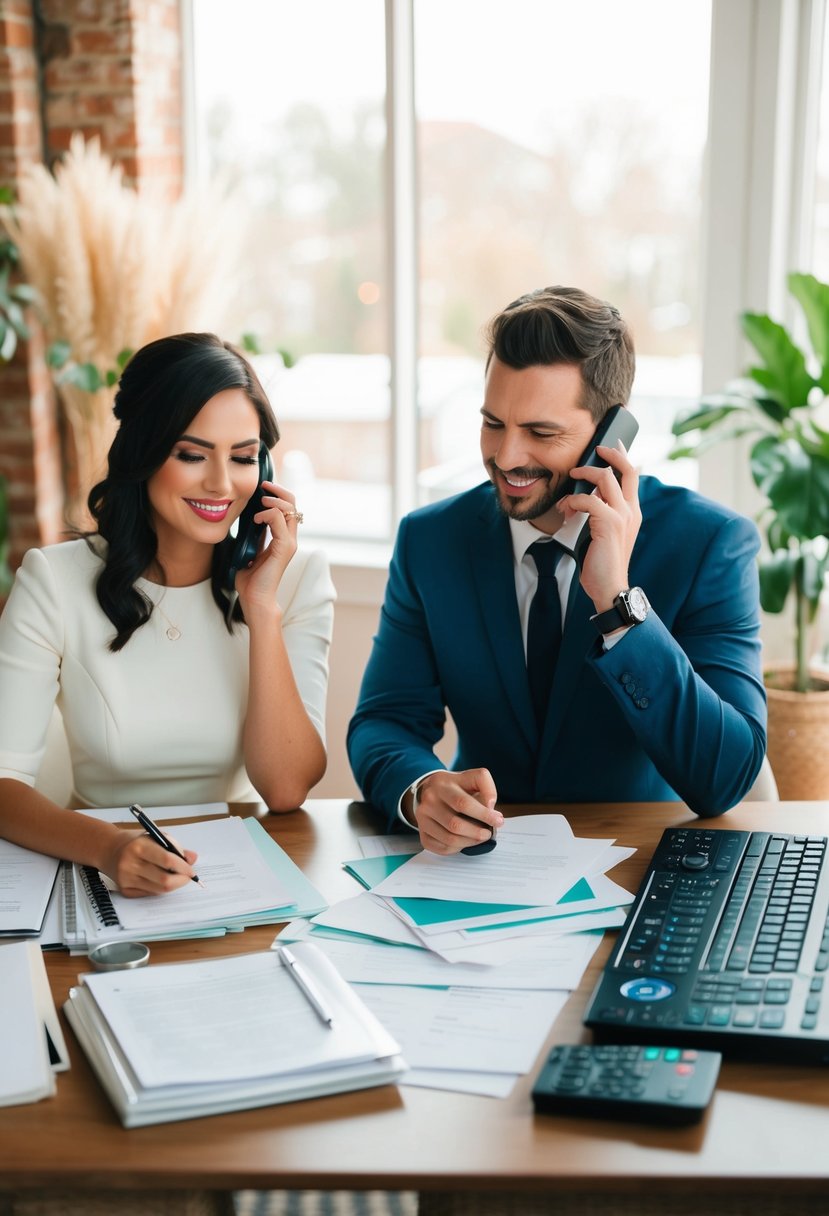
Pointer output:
x,y
470,1029
228,1019
536,861
159,814
558,962
26,882
25,1072
237,881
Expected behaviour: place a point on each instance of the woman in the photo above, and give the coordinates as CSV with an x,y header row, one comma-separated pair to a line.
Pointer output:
x,y
173,690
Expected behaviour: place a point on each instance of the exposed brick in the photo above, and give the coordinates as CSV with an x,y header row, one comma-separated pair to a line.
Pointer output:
x,y
110,68
15,31
114,40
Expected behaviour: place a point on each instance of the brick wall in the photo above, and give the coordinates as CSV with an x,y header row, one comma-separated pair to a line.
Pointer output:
x,y
110,68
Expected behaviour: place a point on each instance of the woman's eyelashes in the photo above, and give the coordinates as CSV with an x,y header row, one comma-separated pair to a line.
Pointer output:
x,y
196,458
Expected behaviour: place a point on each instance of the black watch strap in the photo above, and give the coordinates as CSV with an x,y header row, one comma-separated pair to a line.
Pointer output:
x,y
630,607
612,619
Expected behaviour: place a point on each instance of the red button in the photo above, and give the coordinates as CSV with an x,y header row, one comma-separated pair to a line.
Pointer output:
x,y
684,1070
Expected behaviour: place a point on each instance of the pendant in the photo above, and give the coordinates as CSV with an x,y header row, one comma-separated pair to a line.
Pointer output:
x,y
173,634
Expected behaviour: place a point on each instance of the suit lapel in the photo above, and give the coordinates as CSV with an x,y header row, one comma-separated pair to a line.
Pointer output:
x,y
491,560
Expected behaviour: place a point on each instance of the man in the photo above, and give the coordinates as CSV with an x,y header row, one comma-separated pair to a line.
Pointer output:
x,y
650,651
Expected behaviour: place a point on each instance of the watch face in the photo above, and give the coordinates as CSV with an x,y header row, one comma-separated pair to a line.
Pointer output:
x,y
637,603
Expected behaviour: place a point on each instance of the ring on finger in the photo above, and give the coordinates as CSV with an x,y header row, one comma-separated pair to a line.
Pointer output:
x,y
297,515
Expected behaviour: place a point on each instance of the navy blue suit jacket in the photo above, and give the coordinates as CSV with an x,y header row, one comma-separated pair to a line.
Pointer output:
x,y
676,710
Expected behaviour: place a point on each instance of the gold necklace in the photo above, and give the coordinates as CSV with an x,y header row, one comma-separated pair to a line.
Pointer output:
x,y
172,631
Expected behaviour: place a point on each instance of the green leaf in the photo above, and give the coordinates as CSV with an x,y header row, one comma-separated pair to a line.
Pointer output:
x,y
777,535
8,344
111,378
124,357
57,354
703,418
784,375
811,576
777,575
24,293
83,375
771,408
813,298
796,484
287,358
251,344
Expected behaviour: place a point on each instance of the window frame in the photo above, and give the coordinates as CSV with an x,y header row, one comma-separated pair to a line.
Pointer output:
x,y
764,96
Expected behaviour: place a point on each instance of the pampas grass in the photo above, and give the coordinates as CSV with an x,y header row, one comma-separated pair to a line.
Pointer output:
x,y
115,269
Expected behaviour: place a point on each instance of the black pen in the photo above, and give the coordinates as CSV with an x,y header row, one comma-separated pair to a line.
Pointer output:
x,y
155,833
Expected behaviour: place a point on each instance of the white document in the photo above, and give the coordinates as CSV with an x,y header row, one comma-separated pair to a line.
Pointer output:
x,y
26,882
25,1071
537,860
477,1030
485,1084
229,1019
369,917
606,894
515,942
159,814
558,963
390,846
237,881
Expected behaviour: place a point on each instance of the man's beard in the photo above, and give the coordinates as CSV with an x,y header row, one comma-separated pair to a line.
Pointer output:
x,y
518,508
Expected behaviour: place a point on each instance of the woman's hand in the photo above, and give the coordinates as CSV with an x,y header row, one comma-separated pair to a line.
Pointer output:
x,y
257,584
139,866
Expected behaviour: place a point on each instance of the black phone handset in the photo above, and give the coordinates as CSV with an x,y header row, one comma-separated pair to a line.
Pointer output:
x,y
249,534
618,423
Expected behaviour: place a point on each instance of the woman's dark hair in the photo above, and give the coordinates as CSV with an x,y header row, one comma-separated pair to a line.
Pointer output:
x,y
566,325
161,390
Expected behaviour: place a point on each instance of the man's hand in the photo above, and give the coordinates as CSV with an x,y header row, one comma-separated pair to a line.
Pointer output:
x,y
615,519
456,810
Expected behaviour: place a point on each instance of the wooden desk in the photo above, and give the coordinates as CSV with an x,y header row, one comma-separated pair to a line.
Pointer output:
x,y
764,1138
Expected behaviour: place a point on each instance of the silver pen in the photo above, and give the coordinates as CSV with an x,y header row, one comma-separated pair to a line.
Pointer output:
x,y
306,984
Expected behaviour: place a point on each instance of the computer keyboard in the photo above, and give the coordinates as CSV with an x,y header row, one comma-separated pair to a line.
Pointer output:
x,y
726,947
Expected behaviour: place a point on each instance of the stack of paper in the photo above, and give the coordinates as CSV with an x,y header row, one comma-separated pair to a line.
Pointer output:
x,y
27,880
246,879
175,1041
496,943
32,1048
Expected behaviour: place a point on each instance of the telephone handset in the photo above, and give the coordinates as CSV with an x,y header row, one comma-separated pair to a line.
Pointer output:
x,y
249,534
618,423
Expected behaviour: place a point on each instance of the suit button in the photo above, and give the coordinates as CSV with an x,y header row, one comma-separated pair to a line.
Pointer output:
x,y
625,677
642,702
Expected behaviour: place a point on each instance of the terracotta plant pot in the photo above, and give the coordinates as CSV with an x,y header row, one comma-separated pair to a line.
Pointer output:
x,y
798,737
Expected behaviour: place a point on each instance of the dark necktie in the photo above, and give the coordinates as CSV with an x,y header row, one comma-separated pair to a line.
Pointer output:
x,y
544,627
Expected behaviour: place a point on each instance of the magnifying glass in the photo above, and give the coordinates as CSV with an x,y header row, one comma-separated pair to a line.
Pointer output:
x,y
119,956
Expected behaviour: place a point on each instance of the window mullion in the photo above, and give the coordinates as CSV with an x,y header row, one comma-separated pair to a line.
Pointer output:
x,y
401,229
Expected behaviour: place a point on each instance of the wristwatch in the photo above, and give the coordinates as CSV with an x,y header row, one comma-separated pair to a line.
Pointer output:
x,y
630,607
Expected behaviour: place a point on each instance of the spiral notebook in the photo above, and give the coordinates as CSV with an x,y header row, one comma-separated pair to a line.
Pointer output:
x,y
246,879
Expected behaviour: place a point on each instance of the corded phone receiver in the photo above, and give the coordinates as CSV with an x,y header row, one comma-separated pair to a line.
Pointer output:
x,y
249,534
618,423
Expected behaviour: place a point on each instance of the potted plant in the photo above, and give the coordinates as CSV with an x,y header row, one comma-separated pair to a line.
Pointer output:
x,y
781,407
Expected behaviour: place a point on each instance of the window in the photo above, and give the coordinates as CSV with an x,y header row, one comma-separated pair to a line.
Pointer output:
x,y
554,157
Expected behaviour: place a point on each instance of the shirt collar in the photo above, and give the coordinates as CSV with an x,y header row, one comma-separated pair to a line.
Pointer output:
x,y
523,534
